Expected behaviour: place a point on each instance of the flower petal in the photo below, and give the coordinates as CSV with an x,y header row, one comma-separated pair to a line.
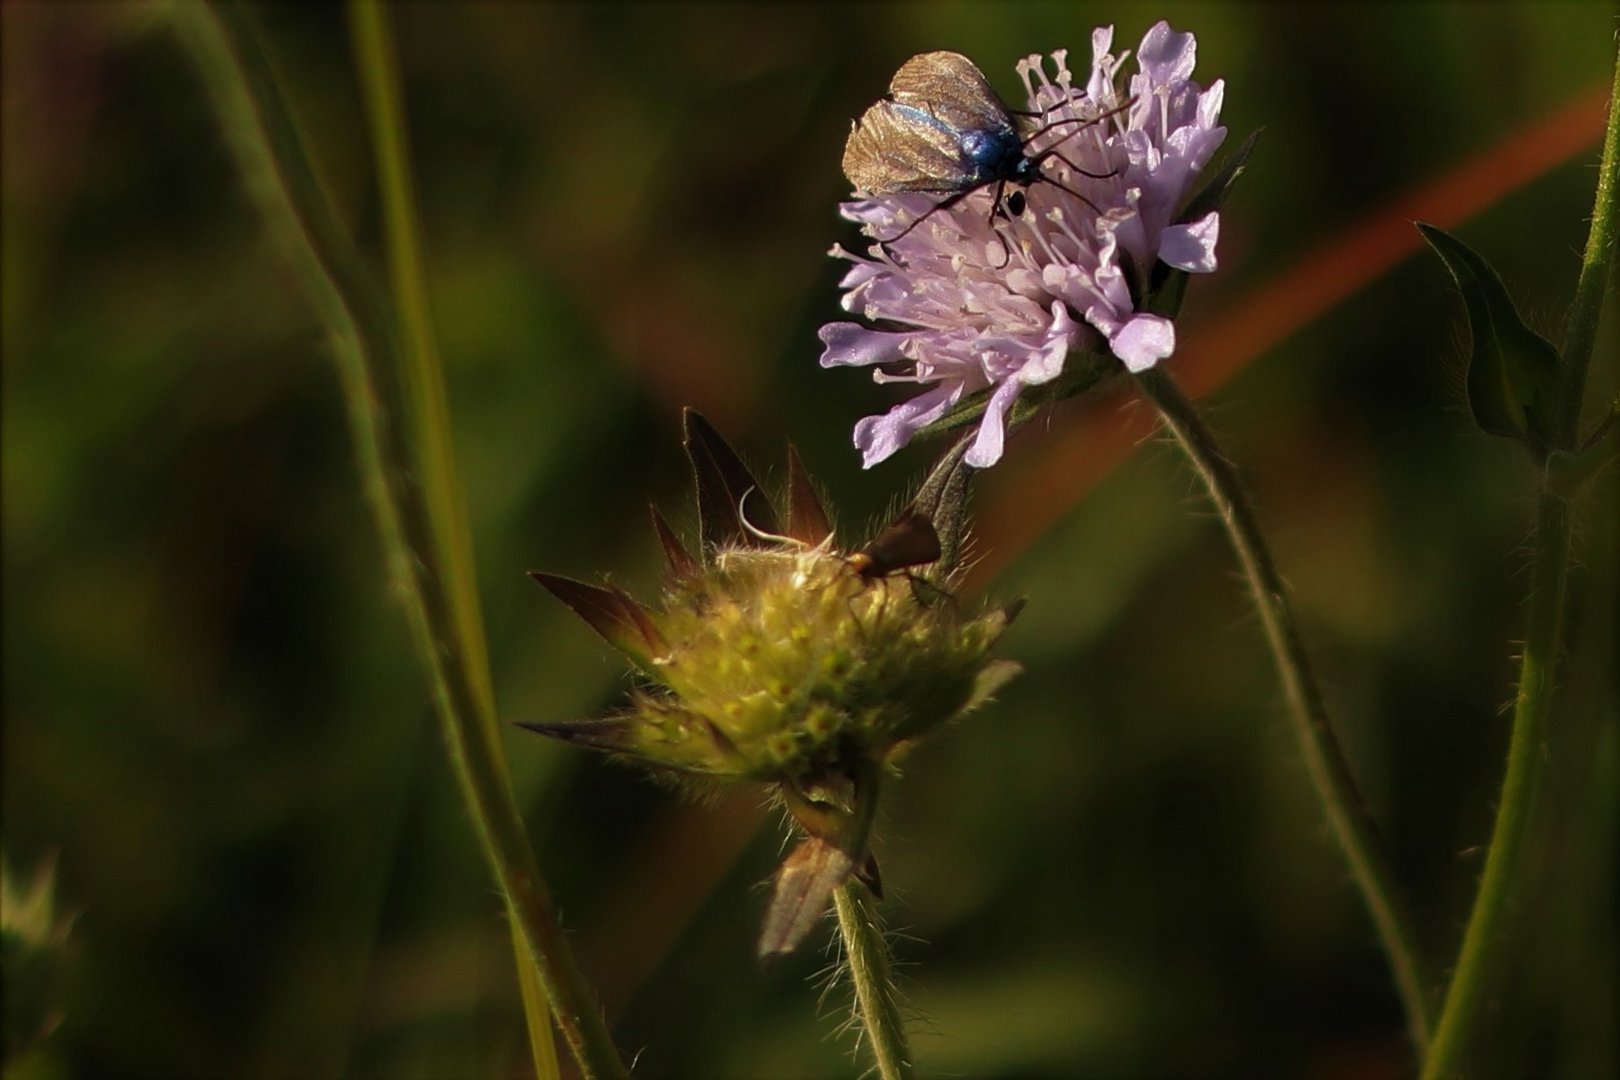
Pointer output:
x,y
1100,86
1166,56
853,345
877,437
986,449
1191,247
1046,363
1143,340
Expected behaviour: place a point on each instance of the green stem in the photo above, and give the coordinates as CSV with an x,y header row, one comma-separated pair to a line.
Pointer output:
x,y
423,373
1596,266
1325,764
867,954
1484,953
428,413
1484,956
278,175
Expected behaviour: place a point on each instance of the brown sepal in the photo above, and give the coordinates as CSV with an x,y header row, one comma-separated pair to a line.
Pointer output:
x,y
678,561
597,734
807,517
722,483
803,886
611,612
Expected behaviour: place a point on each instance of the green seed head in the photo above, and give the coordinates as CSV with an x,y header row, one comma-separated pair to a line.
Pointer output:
x,y
774,656
784,660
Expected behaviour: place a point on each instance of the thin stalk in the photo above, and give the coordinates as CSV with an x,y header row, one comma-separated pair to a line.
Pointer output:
x,y
1485,948
278,175
867,954
428,415
1484,952
426,397
1596,266
1325,764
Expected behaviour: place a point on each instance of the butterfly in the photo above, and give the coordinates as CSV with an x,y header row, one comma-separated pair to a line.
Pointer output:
x,y
942,130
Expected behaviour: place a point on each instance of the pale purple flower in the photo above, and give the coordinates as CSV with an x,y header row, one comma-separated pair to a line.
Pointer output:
x,y
976,305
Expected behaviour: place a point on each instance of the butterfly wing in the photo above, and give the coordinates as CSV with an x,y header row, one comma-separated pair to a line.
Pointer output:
x,y
951,87
894,148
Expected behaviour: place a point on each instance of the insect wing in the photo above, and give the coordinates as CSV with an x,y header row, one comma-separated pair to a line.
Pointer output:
x,y
951,87
910,541
893,149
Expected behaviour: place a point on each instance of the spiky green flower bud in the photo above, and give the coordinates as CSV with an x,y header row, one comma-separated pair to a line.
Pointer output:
x,y
775,657
779,661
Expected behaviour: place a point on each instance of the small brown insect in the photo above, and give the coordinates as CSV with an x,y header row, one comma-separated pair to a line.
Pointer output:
x,y
910,540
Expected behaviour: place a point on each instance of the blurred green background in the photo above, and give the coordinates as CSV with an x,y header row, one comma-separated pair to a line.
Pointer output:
x,y
214,718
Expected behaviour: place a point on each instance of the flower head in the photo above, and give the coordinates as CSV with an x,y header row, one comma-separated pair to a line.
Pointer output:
x,y
775,657
996,297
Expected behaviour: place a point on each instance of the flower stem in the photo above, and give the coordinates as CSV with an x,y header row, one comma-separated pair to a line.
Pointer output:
x,y
278,175
1325,763
1596,266
1485,952
428,420
867,954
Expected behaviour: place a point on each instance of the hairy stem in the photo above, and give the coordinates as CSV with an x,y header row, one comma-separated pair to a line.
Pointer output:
x,y
1325,764
1596,266
867,954
1486,943
1484,950
277,172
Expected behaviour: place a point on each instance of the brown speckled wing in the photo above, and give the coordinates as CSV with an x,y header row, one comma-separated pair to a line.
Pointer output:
x,y
951,87
889,152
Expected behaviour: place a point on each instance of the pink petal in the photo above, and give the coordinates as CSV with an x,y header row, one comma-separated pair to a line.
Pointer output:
x,y
1166,56
1191,247
877,437
1046,363
986,449
1143,340
852,345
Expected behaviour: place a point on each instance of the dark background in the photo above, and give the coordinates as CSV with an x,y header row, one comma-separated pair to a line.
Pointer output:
x,y
214,717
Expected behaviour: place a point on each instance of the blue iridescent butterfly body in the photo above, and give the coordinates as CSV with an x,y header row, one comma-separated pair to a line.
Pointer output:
x,y
987,154
942,130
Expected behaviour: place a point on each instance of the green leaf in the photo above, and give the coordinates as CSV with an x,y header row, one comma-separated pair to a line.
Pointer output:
x,y
943,498
1512,370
